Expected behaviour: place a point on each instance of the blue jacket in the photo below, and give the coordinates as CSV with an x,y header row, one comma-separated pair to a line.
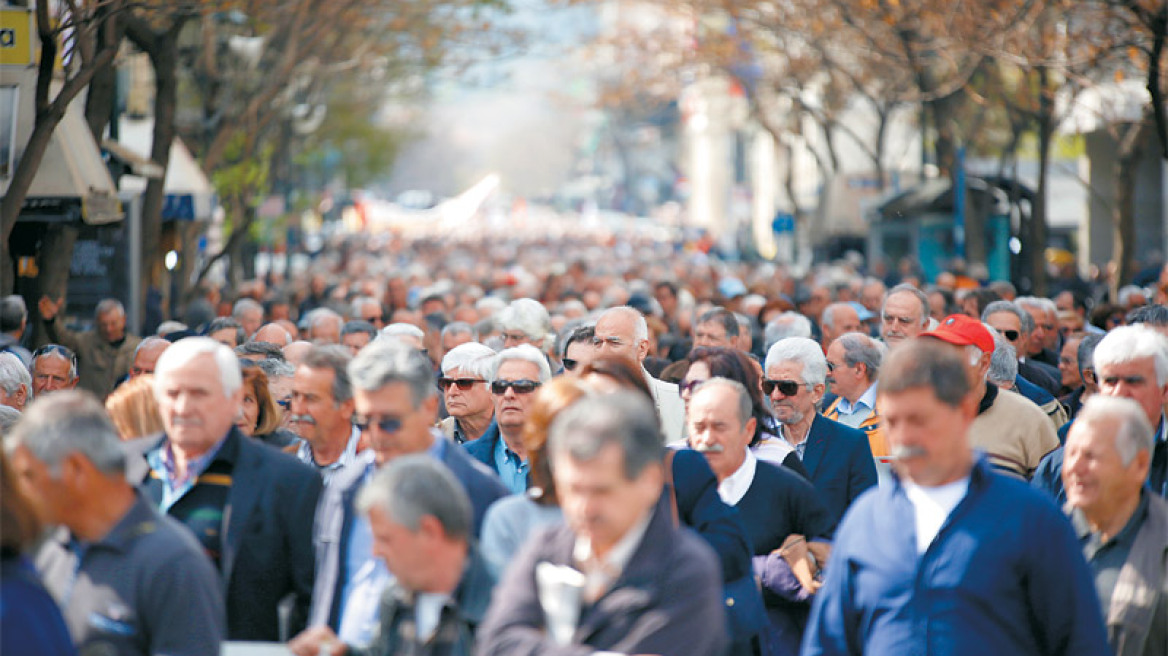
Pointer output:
x,y
1004,576
840,462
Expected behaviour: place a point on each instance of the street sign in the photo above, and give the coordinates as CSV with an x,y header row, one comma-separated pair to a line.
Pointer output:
x,y
16,40
784,222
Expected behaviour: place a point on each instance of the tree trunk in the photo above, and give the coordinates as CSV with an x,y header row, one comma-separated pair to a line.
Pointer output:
x,y
1038,234
54,261
1127,160
164,59
99,101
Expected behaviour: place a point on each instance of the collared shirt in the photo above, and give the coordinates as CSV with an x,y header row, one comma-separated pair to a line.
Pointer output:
x,y
1107,558
601,573
512,469
801,447
735,486
162,463
347,457
854,414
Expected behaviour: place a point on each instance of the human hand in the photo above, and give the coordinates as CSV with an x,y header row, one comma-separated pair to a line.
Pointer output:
x,y
315,641
48,308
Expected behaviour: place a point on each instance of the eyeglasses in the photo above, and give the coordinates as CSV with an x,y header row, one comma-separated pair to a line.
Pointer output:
x,y
463,383
284,403
830,367
785,387
904,321
384,424
62,351
523,386
688,386
569,364
1010,335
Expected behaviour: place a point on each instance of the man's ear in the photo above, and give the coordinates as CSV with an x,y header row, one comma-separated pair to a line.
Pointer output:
x,y
642,349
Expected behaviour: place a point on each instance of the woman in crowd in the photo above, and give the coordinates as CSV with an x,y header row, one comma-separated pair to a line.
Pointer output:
x,y
260,417
133,409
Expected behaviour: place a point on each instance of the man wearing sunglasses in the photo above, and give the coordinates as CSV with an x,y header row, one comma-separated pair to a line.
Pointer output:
x,y
518,372
467,394
838,457
396,405
1016,325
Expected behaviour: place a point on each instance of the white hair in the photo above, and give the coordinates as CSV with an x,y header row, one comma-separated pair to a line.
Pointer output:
x,y
1129,343
244,305
524,352
489,305
787,324
473,358
1135,431
804,351
640,326
1126,293
402,329
1042,304
184,350
528,316
1004,362
13,374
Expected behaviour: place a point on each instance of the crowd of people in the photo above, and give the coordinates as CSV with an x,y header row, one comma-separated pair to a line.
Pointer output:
x,y
448,448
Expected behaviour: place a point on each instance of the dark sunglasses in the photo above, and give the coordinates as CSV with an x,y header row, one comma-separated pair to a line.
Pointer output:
x,y
284,403
1010,335
523,386
58,349
384,424
688,386
785,387
569,364
462,383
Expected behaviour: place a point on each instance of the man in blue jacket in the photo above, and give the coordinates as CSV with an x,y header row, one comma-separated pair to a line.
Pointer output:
x,y
951,558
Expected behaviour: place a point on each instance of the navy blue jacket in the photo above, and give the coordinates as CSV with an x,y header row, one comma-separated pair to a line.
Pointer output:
x,y
1005,576
267,543
483,449
700,508
840,463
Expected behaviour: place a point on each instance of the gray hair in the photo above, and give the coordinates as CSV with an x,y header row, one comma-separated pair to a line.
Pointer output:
x,y
336,359
320,315
803,350
906,288
1126,292
1129,343
640,326
8,418
1004,361
745,405
415,486
722,317
1135,432
862,349
576,330
490,304
926,363
226,323
528,316
276,368
402,329
1038,303
357,326
1086,352
355,307
13,374
787,324
458,328
150,342
1152,315
525,352
266,349
108,305
827,319
473,358
1025,320
189,348
245,305
13,313
69,421
388,361
626,420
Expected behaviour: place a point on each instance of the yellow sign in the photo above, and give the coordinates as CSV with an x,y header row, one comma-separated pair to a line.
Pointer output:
x,y
16,37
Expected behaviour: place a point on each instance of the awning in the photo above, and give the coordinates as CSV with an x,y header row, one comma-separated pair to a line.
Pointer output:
x,y
72,181
189,195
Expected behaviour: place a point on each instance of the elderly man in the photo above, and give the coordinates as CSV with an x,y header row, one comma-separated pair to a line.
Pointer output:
x,y
356,334
322,412
716,327
103,354
524,321
323,326
250,315
128,580
248,505
466,390
853,365
837,457
420,519
619,543
15,382
1044,340
516,373
839,319
622,332
774,503
406,333
54,367
905,314
13,321
1122,527
397,405
455,334
368,309
226,331
1016,325
787,324
1085,382
930,564
146,355
272,333
1014,432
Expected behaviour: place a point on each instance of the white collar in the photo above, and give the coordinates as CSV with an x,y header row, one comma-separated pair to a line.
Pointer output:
x,y
620,554
867,399
734,486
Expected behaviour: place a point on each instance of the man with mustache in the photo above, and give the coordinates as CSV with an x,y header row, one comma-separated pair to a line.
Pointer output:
x,y
838,457
322,411
951,558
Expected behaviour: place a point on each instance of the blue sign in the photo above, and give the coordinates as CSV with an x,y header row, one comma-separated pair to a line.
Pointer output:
x,y
784,222
178,207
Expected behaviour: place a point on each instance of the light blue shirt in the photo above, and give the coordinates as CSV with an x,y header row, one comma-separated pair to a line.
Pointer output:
x,y
853,414
347,457
512,470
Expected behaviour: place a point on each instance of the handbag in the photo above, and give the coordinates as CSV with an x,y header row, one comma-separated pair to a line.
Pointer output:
x,y
742,599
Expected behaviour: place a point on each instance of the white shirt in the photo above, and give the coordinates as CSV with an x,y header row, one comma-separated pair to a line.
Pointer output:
x,y
427,611
854,414
933,505
734,486
600,574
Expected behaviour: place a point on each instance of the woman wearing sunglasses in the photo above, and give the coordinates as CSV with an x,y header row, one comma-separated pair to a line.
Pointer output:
x,y
716,362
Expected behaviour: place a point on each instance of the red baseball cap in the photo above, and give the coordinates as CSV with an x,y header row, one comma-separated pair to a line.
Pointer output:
x,y
963,330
